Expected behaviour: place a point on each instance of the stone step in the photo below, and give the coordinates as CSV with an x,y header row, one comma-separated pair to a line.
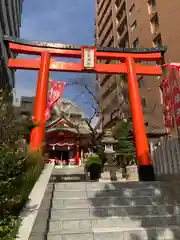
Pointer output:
x,y
115,210
107,186
90,214
111,192
139,233
172,233
110,199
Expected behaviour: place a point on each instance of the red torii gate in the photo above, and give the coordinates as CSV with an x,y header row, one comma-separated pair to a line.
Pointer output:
x,y
89,57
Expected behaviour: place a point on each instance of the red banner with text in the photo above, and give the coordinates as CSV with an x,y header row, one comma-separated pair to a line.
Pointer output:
x,y
56,90
167,100
171,94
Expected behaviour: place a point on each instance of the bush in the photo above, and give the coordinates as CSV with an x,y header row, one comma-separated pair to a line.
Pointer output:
x,y
19,169
93,158
94,165
18,174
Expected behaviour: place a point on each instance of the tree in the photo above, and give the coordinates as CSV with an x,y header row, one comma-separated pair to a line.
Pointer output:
x,y
88,99
126,149
18,170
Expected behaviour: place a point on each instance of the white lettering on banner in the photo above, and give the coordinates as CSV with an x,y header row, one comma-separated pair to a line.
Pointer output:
x,y
178,112
88,58
177,98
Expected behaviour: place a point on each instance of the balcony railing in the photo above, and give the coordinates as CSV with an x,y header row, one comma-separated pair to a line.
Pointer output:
x,y
121,21
100,5
103,10
109,90
123,35
106,30
105,19
122,3
106,42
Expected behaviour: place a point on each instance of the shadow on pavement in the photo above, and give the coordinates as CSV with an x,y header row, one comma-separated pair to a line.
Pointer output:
x,y
141,211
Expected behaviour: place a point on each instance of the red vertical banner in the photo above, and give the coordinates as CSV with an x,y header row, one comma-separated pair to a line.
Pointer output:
x,y
56,90
167,100
172,79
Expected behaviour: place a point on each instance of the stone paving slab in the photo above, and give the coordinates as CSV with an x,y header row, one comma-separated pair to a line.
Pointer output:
x,y
69,227
70,195
79,186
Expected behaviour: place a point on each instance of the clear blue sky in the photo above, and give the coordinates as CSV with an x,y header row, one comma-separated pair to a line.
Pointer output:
x,y
62,21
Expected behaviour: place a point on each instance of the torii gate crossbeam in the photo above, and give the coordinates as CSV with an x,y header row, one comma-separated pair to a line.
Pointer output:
x,y
128,64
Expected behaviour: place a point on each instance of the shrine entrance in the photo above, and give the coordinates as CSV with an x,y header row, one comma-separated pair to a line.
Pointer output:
x,y
63,155
127,61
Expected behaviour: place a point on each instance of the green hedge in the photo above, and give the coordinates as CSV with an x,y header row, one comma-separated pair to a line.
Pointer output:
x,y
19,169
18,174
93,158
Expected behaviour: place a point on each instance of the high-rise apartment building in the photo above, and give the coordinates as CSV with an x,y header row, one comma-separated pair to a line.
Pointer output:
x,y
10,22
137,24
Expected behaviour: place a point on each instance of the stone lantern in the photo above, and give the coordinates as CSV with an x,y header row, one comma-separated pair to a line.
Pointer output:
x,y
109,141
110,171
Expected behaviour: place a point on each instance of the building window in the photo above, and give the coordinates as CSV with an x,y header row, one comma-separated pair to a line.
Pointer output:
x,y
155,23
132,9
133,26
136,43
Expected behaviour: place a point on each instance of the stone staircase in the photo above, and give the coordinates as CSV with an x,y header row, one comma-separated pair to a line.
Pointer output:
x,y
113,211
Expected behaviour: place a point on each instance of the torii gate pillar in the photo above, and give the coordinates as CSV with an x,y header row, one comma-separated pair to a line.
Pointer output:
x,y
37,134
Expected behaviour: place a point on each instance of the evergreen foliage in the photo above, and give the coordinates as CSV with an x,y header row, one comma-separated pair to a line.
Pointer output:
x,y
126,149
19,169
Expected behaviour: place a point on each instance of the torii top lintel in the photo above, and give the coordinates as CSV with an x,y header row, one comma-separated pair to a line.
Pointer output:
x,y
72,51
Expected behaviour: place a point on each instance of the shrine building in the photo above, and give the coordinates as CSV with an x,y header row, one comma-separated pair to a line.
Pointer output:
x,y
67,134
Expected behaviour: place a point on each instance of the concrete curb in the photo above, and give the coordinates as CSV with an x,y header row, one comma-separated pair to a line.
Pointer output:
x,y
30,211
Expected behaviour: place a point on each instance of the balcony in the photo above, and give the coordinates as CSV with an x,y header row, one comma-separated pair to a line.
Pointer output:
x,y
109,89
103,79
105,31
123,35
105,20
122,4
152,14
156,33
108,40
100,4
122,19
105,41
103,11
